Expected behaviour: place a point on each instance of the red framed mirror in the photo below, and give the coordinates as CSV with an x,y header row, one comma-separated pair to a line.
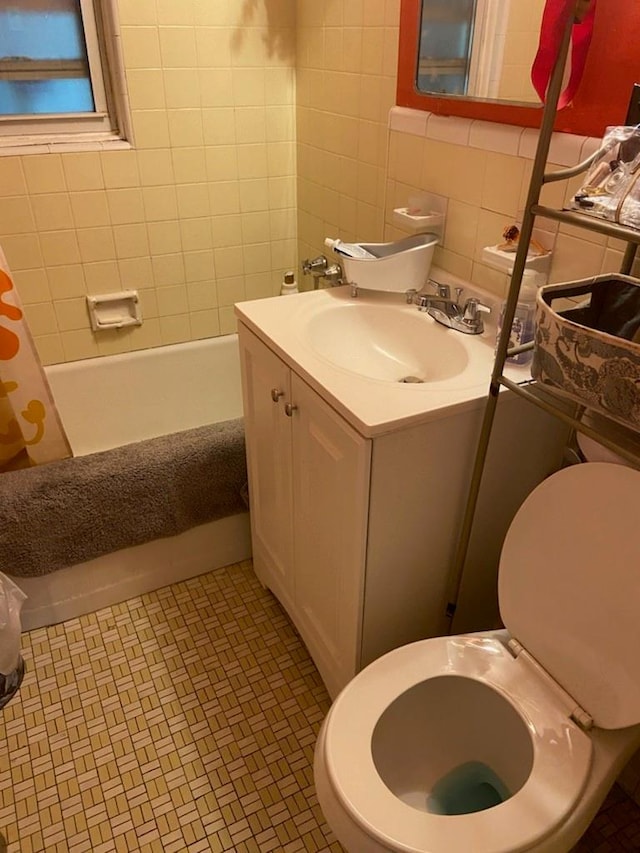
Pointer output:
x,y
613,66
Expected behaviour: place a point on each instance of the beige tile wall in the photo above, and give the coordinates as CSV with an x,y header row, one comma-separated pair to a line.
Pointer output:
x,y
199,215
346,73
353,170
485,191
235,105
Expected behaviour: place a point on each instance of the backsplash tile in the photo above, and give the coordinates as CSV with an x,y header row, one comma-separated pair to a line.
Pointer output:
x,y
491,136
492,187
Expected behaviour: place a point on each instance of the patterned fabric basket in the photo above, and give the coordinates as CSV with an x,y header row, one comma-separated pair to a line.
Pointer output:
x,y
591,353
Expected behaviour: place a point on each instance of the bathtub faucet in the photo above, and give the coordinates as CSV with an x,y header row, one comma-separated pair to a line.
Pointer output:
x,y
321,268
447,311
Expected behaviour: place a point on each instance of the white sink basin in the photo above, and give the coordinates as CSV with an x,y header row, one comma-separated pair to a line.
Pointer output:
x,y
394,344
356,353
379,343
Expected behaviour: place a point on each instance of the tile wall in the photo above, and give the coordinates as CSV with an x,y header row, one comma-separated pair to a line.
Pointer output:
x,y
356,162
235,106
346,75
199,215
482,170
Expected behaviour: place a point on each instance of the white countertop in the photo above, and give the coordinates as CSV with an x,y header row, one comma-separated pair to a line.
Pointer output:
x,y
372,406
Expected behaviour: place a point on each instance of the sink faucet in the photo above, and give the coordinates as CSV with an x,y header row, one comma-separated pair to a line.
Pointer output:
x,y
447,311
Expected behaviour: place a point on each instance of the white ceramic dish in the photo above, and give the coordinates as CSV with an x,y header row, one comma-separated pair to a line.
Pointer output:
x,y
399,266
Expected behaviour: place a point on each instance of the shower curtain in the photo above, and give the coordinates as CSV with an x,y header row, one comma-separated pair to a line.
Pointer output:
x,y
30,428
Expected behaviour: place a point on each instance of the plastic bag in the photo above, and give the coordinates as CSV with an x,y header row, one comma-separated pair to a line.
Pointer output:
x,y
11,664
612,187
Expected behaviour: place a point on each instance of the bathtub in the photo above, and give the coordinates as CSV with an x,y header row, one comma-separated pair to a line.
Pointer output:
x,y
114,400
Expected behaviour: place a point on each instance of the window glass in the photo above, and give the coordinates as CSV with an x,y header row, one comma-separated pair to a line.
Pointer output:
x,y
43,97
43,58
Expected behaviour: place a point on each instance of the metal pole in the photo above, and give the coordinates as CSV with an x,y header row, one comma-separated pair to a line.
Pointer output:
x,y
535,185
629,258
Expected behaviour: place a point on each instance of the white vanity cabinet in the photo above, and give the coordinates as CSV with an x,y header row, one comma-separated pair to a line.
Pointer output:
x,y
308,482
354,527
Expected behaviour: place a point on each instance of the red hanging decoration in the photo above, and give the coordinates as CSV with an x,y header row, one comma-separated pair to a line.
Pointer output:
x,y
554,20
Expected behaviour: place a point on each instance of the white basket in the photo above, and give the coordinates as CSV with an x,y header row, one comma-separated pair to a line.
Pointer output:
x,y
396,267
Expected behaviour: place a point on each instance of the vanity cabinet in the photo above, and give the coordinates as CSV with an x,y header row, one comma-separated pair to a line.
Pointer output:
x,y
308,484
356,535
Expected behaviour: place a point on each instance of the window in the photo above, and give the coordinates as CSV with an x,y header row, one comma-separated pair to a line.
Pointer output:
x,y
57,63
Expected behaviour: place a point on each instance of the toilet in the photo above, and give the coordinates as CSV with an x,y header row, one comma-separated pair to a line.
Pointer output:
x,y
504,741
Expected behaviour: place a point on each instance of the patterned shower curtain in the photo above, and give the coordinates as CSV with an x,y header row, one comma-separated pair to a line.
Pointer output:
x,y
30,428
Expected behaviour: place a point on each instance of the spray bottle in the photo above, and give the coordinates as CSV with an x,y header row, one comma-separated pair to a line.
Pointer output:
x,y
523,326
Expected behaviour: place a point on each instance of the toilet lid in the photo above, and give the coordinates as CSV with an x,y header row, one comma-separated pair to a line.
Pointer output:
x,y
569,586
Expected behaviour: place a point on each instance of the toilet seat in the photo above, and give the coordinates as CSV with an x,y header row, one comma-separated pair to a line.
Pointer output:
x,y
561,750
568,586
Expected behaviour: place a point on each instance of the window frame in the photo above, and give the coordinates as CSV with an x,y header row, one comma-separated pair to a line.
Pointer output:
x,y
602,99
110,121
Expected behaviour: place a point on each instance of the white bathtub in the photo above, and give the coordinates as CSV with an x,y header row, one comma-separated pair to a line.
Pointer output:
x,y
111,401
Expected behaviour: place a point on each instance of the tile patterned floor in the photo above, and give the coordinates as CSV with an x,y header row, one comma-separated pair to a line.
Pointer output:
x,y
183,720
615,828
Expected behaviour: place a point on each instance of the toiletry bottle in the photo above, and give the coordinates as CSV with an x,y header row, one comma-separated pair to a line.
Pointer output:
x,y
523,326
289,283
350,250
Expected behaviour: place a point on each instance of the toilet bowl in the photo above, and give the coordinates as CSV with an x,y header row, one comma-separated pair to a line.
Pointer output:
x,y
506,741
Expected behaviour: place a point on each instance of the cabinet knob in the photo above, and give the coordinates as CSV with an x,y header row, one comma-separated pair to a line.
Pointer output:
x,y
289,409
275,394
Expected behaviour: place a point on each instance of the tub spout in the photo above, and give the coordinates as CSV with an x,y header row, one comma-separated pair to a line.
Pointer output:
x,y
320,268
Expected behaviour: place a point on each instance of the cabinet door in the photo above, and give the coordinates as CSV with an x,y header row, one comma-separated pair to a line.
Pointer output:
x,y
268,438
331,465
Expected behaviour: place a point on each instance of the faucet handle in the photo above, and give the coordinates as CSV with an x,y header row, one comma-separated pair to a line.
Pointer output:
x,y
474,307
314,266
443,290
472,313
334,275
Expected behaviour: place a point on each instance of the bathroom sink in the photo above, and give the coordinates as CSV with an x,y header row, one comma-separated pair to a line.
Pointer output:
x,y
393,344
378,361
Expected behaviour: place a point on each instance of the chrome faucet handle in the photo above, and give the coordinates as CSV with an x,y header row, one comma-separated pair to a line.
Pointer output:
x,y
472,314
334,275
314,266
473,307
423,301
443,290
409,294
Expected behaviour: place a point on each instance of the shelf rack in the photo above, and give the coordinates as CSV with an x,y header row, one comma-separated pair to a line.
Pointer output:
x,y
542,397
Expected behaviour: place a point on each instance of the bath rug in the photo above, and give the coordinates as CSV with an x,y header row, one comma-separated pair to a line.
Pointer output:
x,y
74,510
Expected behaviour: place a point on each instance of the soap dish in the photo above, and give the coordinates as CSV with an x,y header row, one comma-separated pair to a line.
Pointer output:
x,y
114,310
417,222
498,259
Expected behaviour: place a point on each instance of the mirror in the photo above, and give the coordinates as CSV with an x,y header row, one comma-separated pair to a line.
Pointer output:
x,y
479,48
613,66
